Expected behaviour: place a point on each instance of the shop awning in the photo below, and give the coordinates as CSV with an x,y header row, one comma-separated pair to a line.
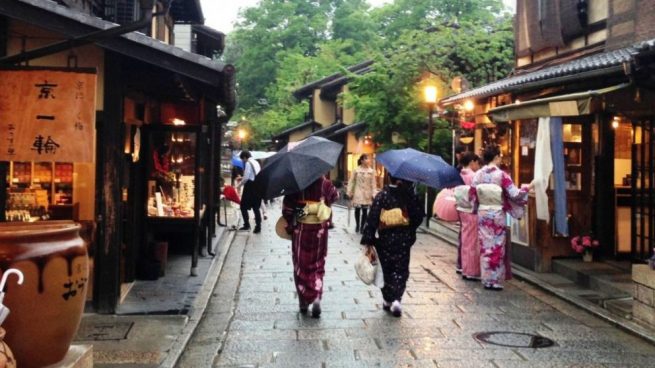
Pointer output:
x,y
573,104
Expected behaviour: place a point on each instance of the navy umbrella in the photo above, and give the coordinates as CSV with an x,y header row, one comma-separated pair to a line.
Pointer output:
x,y
417,166
296,166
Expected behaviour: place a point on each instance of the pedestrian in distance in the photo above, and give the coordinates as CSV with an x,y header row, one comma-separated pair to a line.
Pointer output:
x,y
309,240
495,195
395,215
361,190
459,151
250,199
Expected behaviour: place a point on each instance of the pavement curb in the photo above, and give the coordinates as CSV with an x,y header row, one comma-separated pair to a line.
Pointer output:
x,y
533,279
202,300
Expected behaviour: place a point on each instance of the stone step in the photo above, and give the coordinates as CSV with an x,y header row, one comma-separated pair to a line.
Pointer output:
x,y
600,276
620,307
444,230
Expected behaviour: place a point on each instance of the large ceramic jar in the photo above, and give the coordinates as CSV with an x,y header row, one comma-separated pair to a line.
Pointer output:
x,y
47,308
6,357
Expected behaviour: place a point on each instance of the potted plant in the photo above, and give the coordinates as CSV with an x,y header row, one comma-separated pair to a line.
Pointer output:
x,y
584,244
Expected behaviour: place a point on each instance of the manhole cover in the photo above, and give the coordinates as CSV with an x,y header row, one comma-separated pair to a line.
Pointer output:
x,y
104,331
514,339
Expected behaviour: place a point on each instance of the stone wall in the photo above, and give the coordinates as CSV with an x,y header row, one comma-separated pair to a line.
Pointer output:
x,y
643,308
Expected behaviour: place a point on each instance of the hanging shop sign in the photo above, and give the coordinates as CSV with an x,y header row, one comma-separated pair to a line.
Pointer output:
x,y
47,114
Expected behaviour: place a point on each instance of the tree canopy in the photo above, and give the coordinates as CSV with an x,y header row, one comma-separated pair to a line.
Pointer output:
x,y
280,45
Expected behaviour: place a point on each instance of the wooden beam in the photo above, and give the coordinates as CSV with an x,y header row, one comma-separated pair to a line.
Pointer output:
x,y
109,162
4,165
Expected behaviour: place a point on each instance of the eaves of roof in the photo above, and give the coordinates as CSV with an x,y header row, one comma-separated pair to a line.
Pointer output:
x,y
117,44
327,130
349,128
593,66
307,89
330,87
304,125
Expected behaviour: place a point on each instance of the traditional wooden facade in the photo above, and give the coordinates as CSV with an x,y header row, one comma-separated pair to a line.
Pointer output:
x,y
592,64
149,92
328,118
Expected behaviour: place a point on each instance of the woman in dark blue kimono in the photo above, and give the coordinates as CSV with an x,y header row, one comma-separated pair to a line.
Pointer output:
x,y
396,235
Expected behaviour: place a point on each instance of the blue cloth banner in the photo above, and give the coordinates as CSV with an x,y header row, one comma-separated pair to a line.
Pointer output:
x,y
557,150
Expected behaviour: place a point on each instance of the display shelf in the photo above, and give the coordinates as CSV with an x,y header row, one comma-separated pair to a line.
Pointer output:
x,y
21,173
51,182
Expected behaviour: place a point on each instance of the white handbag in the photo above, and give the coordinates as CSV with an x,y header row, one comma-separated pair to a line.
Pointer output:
x,y
369,271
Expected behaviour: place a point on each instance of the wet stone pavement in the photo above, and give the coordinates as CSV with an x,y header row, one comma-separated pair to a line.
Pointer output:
x,y
442,312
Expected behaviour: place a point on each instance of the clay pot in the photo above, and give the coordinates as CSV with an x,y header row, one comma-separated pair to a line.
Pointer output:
x,y
46,310
6,357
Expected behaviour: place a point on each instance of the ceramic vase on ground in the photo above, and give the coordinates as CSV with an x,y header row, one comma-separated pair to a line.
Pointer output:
x,y
47,308
6,357
587,256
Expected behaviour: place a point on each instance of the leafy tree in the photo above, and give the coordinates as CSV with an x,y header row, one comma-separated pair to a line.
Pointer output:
x,y
403,15
267,29
389,98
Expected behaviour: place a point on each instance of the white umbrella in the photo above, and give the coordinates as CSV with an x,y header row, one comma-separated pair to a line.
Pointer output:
x,y
260,155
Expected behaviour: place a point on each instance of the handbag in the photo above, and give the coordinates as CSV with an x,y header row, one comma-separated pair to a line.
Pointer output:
x,y
393,217
369,269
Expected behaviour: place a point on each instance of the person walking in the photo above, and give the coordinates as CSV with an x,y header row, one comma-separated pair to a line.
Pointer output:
x,y
395,215
494,195
361,189
309,241
250,199
468,247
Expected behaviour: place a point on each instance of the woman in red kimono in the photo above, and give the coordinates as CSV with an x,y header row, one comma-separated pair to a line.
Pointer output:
x,y
309,238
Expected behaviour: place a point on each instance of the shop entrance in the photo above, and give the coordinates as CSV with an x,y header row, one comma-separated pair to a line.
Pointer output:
x,y
642,187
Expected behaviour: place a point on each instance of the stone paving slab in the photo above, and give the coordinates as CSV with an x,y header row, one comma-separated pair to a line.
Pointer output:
x,y
442,313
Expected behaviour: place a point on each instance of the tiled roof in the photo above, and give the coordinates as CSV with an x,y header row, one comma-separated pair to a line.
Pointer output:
x,y
351,127
598,64
296,128
327,130
307,89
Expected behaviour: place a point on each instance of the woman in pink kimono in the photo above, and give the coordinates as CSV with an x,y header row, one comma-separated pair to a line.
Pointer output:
x,y
470,163
469,248
495,194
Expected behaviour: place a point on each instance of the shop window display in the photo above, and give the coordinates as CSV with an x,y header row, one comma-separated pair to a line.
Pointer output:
x,y
172,174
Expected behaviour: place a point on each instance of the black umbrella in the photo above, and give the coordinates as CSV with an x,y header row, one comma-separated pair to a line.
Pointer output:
x,y
296,166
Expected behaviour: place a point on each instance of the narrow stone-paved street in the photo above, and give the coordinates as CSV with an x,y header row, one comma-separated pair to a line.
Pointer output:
x,y
441,314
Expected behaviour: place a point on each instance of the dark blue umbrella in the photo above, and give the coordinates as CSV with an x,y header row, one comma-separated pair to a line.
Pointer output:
x,y
420,167
236,161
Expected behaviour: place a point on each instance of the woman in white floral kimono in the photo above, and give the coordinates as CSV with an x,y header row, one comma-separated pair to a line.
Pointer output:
x,y
495,194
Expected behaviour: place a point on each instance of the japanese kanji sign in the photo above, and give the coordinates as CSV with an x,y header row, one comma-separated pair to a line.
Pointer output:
x,y
47,114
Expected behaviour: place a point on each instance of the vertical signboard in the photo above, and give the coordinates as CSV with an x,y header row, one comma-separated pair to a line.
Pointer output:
x,y
47,114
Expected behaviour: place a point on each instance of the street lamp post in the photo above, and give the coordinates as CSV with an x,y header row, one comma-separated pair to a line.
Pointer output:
x,y
430,97
242,134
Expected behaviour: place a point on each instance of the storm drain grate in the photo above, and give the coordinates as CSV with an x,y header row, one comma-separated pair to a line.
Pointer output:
x,y
514,339
104,331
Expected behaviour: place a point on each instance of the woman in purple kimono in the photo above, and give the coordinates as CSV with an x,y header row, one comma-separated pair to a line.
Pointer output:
x,y
495,194
309,239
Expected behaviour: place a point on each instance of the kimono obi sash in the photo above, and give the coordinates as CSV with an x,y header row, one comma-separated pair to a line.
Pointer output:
x,y
315,213
462,199
490,197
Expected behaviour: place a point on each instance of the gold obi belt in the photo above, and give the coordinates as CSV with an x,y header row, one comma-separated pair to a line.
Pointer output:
x,y
315,213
